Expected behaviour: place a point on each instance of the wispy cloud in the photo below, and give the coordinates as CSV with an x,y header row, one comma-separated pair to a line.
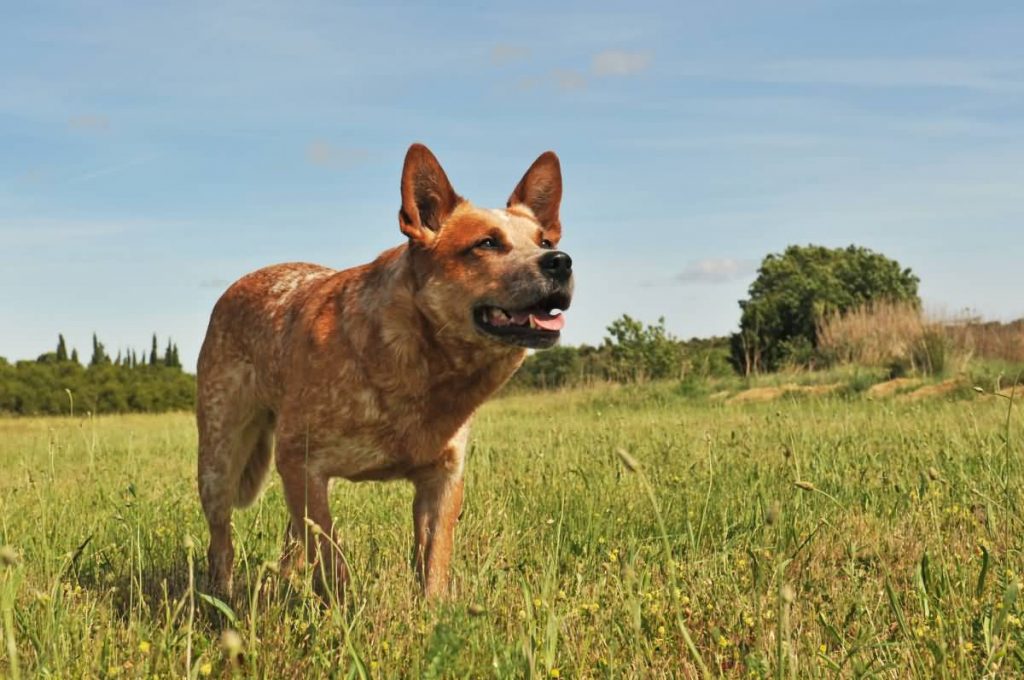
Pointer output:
x,y
569,80
16,233
966,74
109,169
505,53
716,270
89,123
620,63
322,153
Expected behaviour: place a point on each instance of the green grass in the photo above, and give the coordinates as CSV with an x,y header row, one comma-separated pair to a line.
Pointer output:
x,y
899,554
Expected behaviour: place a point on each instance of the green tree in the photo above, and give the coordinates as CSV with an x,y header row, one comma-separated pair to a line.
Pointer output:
x,y
642,352
99,354
62,349
74,355
792,292
153,357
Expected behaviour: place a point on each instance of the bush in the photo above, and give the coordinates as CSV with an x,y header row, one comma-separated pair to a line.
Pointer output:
x,y
795,290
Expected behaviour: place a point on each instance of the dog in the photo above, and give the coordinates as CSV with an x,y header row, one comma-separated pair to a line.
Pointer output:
x,y
374,372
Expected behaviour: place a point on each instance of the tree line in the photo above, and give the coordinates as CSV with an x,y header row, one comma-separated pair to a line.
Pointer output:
x,y
58,383
794,291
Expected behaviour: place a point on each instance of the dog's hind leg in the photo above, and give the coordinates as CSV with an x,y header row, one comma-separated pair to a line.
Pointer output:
x,y
305,492
235,445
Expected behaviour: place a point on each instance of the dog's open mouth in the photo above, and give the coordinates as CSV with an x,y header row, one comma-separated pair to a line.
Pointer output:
x,y
538,325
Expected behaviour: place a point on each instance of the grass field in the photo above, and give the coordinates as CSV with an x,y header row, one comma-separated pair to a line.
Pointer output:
x,y
806,537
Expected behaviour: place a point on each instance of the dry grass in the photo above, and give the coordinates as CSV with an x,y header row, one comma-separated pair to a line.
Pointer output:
x,y
989,340
901,337
891,387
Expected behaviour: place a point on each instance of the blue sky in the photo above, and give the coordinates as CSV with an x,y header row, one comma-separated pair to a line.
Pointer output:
x,y
152,154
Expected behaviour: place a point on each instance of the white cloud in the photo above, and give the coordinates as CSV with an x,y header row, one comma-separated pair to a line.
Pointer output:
x,y
716,270
620,63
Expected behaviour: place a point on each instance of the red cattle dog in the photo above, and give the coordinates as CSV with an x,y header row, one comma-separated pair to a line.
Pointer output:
x,y
374,372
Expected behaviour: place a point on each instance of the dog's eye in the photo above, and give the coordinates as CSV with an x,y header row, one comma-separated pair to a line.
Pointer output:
x,y
546,244
488,243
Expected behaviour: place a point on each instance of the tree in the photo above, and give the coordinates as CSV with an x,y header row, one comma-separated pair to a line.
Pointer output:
x,y
153,358
74,355
62,349
99,354
794,290
643,352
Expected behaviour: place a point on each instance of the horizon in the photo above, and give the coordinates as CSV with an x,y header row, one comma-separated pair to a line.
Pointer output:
x,y
155,155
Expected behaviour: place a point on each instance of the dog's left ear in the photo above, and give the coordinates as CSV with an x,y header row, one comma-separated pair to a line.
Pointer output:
x,y
540,190
427,196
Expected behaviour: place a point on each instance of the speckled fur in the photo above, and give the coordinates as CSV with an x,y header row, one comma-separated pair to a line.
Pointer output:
x,y
370,373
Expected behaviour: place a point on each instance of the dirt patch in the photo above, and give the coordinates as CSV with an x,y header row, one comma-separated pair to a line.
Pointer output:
x,y
936,390
819,389
891,387
757,394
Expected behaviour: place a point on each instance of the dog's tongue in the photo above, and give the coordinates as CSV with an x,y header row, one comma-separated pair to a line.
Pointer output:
x,y
549,322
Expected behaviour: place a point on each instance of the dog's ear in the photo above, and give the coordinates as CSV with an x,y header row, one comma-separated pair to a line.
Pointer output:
x,y
427,196
540,190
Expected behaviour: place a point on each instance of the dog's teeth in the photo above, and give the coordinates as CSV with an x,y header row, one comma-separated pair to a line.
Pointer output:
x,y
497,317
555,312
533,322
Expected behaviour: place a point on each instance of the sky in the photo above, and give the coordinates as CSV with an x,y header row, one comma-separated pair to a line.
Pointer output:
x,y
152,153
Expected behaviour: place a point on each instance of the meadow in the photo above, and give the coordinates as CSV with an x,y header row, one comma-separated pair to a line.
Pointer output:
x,y
611,531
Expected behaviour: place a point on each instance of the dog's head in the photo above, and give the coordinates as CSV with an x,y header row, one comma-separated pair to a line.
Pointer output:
x,y
495,276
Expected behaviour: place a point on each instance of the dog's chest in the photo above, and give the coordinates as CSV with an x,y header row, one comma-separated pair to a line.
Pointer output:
x,y
363,434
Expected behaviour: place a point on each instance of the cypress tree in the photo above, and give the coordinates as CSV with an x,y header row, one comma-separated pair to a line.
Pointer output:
x,y
153,358
62,349
74,355
99,355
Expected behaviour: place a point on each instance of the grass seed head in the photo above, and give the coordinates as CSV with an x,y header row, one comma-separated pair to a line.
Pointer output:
x,y
806,486
631,463
231,643
8,556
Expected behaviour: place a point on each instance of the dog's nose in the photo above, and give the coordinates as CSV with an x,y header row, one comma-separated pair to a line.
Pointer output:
x,y
557,265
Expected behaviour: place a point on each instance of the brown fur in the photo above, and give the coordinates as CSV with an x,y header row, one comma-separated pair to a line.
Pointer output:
x,y
374,372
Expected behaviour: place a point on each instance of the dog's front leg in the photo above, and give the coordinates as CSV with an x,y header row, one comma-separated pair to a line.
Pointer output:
x,y
436,509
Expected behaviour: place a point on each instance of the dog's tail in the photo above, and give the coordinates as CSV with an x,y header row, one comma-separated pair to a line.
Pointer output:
x,y
255,473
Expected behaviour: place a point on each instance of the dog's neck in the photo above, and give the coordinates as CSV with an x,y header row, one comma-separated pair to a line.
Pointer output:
x,y
410,336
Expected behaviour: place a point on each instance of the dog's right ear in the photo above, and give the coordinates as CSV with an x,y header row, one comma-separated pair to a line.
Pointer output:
x,y
427,196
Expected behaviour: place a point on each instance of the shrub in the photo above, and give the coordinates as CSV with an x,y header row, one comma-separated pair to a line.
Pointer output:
x,y
796,289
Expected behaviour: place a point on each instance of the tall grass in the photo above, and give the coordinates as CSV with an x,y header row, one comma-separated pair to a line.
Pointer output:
x,y
903,338
894,335
810,538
